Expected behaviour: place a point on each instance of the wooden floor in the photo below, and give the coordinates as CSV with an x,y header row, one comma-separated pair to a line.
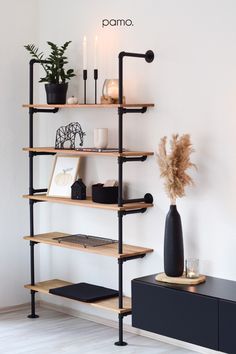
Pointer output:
x,y
55,333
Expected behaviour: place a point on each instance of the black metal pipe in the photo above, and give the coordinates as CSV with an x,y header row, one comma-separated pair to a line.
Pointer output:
x,y
148,56
120,232
120,78
120,181
120,162
31,81
31,189
120,130
31,166
120,263
120,341
33,314
31,207
32,277
31,175
148,198
31,112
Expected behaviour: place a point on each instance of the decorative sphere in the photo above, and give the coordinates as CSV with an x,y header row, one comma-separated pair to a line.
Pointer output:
x,y
72,100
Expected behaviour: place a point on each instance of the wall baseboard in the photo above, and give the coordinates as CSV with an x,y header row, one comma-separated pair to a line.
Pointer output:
x,y
127,327
15,308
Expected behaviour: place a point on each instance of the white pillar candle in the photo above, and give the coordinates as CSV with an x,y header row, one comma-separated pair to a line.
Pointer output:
x,y
85,53
95,52
100,138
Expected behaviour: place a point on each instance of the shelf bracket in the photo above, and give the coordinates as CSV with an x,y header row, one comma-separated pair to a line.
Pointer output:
x,y
44,110
148,198
34,201
135,211
123,110
32,243
130,159
125,259
38,153
40,190
128,313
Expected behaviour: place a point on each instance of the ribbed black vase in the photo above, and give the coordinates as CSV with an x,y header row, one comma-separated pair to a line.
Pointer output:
x,y
56,93
173,244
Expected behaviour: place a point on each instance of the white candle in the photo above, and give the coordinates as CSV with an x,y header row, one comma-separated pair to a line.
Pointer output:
x,y
191,274
85,53
113,92
95,51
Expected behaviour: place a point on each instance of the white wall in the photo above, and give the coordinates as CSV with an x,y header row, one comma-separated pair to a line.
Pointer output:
x,y
18,26
193,84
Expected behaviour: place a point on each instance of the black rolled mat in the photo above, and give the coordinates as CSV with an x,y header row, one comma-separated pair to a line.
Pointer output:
x,y
84,292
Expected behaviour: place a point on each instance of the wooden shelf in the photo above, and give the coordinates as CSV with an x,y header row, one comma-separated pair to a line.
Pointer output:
x,y
87,203
110,250
128,105
108,304
88,153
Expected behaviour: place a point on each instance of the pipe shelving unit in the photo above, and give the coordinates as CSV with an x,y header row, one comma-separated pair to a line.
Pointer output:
x,y
124,207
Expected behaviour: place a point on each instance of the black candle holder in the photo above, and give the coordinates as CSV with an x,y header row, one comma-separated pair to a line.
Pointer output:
x,y
95,75
85,75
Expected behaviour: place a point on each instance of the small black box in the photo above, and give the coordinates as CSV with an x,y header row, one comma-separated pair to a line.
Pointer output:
x,y
78,190
106,195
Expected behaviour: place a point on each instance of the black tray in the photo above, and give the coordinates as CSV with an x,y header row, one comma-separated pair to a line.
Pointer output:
x,y
105,195
84,292
85,240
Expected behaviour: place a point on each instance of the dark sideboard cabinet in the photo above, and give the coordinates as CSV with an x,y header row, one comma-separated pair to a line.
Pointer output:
x,y
204,314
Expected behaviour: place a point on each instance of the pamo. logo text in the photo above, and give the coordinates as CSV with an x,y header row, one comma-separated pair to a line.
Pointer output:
x,y
117,22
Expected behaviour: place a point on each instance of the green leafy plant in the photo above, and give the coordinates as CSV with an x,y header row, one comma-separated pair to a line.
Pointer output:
x,y
54,64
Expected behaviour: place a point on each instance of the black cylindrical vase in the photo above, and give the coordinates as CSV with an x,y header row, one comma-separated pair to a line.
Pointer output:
x,y
173,244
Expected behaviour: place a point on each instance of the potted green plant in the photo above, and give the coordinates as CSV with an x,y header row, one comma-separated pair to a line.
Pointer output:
x,y
56,76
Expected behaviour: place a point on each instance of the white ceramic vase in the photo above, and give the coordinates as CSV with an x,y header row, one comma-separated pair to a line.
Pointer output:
x,y
101,138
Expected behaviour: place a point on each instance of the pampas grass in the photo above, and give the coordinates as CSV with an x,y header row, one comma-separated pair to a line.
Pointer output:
x,y
173,165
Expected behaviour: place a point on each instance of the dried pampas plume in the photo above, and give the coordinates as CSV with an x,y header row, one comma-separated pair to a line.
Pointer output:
x,y
173,166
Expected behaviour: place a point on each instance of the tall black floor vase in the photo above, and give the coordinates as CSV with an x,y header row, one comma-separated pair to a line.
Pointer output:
x,y
173,244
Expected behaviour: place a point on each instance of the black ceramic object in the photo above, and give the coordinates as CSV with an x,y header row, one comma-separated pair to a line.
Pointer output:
x,y
173,244
78,190
106,195
56,93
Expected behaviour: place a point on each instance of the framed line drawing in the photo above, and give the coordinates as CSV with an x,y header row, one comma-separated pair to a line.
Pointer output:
x,y
65,172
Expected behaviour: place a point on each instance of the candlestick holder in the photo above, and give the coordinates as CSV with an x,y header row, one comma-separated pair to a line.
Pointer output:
x,y
95,75
85,75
